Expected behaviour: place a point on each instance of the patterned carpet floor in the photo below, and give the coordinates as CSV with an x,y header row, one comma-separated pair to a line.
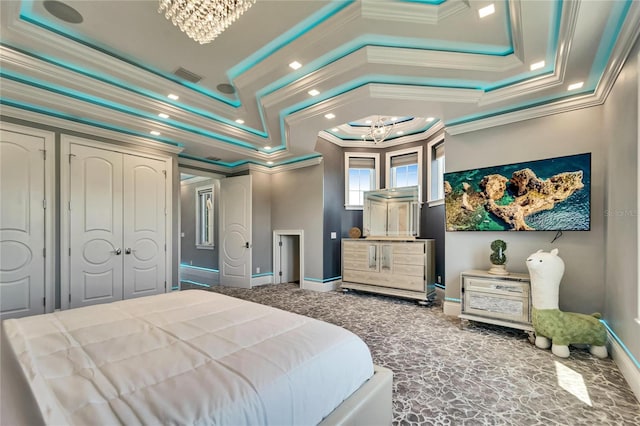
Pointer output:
x,y
478,375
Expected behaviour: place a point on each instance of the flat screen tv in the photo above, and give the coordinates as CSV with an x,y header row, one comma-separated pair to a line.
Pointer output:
x,y
543,195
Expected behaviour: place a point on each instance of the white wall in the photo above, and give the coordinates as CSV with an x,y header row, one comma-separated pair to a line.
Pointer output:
x,y
261,238
621,133
297,203
581,131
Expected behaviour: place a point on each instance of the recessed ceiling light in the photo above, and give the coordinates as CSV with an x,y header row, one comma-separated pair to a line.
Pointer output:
x,y
487,10
269,162
394,118
330,116
313,92
240,121
295,65
173,97
430,119
537,65
267,147
335,129
163,115
367,122
155,133
577,85
399,132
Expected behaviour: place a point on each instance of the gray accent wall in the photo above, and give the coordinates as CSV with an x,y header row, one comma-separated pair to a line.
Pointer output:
x,y
190,254
262,235
340,220
621,117
582,288
297,203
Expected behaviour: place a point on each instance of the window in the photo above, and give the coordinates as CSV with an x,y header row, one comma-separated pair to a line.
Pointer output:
x,y
404,167
204,217
361,174
435,157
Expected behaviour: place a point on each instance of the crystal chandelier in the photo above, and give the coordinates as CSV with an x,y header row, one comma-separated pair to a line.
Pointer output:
x,y
203,20
380,129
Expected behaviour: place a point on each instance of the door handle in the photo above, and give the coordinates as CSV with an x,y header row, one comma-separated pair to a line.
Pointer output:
x,y
128,251
246,244
117,251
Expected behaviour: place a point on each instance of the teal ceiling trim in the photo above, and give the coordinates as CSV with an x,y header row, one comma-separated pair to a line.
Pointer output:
x,y
138,91
603,54
243,162
428,2
83,120
74,94
390,138
608,40
27,14
292,34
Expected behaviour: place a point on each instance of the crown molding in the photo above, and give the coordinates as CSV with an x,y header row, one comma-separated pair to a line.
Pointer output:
x,y
440,59
64,126
438,127
422,93
412,12
204,165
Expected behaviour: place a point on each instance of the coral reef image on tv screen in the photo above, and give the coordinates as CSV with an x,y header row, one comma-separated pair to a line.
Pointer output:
x,y
542,195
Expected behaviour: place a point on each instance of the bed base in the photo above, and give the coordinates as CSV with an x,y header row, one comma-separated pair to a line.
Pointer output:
x,y
370,405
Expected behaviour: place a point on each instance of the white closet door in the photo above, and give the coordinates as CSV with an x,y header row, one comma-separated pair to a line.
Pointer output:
x,y
95,226
144,226
22,225
235,231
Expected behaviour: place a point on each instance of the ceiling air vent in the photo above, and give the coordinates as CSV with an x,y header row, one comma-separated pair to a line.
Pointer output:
x,y
187,75
212,158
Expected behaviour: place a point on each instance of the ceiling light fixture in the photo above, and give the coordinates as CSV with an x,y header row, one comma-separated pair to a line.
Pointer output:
x,y
163,115
487,10
240,121
536,66
430,119
577,85
335,129
295,65
173,97
330,116
203,20
381,128
399,132
155,133
267,147
313,92
269,162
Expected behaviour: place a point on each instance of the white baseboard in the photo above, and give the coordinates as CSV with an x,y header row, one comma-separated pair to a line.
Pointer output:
x,y
451,309
626,365
318,286
199,275
262,280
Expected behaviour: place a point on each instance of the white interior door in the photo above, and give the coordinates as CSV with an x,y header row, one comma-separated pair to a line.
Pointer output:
x,y
289,261
144,226
96,246
235,231
22,225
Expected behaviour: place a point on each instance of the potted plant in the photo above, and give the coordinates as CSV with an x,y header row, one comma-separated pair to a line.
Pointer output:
x,y
498,258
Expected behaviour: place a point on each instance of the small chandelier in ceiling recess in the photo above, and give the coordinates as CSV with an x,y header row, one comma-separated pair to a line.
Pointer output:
x,y
380,129
203,20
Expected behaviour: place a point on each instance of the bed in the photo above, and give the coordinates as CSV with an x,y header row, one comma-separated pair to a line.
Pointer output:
x,y
189,357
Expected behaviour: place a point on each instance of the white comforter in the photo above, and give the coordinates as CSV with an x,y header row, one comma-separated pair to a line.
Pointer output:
x,y
191,357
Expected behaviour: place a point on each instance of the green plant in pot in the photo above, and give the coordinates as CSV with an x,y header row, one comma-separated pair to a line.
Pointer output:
x,y
498,258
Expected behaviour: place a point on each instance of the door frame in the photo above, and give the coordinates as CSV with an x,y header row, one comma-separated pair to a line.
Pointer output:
x,y
276,253
50,206
65,196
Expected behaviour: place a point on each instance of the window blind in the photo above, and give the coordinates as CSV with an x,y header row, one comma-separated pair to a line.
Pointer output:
x,y
361,163
404,160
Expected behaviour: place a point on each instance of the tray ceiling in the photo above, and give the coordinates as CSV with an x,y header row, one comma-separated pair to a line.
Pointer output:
x,y
434,63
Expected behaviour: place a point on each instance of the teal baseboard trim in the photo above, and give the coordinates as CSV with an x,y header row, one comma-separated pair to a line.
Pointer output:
x,y
452,299
184,265
621,343
196,283
263,274
325,280
439,286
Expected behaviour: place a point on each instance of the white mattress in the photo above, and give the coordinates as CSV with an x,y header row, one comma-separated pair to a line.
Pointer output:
x,y
190,357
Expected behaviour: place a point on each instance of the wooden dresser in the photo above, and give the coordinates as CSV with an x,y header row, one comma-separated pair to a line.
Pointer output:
x,y
402,268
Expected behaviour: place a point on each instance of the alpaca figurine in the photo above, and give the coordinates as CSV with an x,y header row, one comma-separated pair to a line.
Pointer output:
x,y
553,327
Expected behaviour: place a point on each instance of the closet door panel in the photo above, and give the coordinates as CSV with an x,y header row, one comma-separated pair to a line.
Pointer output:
x,y
22,224
95,226
144,226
